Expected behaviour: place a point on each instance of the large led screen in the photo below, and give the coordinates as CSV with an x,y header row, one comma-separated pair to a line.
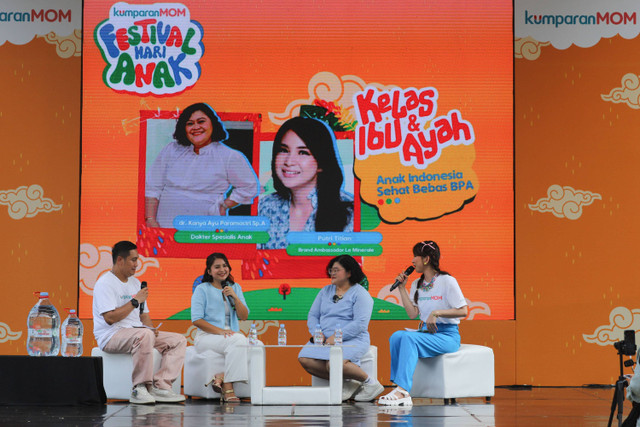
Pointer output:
x,y
402,113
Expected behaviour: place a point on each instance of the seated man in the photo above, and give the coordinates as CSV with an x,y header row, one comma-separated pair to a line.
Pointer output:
x,y
119,321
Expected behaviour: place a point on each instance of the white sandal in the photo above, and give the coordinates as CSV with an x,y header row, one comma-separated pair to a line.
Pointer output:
x,y
392,399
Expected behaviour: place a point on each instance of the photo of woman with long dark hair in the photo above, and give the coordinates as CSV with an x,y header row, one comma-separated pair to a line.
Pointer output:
x,y
308,181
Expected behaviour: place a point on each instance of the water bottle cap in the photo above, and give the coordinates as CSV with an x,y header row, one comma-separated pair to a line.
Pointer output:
x,y
43,295
71,310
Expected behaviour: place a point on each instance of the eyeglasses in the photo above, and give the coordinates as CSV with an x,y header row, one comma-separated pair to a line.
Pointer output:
x,y
336,298
334,270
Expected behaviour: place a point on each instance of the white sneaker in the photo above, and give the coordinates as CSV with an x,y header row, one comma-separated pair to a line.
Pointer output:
x,y
368,392
167,396
349,387
141,395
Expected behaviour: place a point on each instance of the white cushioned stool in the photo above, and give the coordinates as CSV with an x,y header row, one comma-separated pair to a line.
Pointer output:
x,y
469,372
368,363
117,370
199,369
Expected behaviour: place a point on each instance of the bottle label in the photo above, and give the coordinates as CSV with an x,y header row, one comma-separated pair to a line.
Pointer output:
x,y
41,333
72,331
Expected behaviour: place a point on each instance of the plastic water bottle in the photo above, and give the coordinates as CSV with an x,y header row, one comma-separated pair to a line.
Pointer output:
x,y
318,336
71,331
337,337
43,328
253,335
282,335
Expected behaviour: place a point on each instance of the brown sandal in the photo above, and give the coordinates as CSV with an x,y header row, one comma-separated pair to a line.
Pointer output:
x,y
229,399
216,383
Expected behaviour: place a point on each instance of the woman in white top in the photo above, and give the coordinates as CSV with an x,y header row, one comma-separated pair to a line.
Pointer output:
x,y
437,299
217,305
193,174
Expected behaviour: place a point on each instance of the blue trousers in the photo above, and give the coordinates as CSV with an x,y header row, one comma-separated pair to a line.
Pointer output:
x,y
406,347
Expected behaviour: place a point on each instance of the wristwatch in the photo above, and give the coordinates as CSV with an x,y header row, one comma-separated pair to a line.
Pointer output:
x,y
134,302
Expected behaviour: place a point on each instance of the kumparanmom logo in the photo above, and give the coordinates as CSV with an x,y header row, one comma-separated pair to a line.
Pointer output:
x,y
150,48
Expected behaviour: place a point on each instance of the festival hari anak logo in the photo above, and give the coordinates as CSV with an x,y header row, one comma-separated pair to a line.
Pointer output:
x,y
150,48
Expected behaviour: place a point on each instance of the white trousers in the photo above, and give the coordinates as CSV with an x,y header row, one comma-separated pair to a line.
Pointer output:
x,y
234,350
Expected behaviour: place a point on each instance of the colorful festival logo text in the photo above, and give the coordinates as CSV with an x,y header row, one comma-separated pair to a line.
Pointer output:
x,y
150,48
396,121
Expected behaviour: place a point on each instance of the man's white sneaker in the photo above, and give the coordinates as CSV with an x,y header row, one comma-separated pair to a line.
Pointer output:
x,y
349,387
167,396
141,395
368,392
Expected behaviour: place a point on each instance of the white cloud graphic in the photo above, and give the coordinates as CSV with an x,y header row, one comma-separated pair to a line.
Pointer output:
x,y
477,307
27,201
565,202
582,23
191,334
628,93
620,319
95,261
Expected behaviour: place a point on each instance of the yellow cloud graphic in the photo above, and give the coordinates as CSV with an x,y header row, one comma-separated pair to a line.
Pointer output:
x,y
565,202
528,48
27,202
620,319
331,88
95,261
7,335
66,46
628,94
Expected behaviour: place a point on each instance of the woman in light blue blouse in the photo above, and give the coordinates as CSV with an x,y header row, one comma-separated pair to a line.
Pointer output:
x,y
217,305
308,180
347,304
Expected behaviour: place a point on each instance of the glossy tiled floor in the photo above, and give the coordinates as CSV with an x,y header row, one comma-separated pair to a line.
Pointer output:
x,y
536,407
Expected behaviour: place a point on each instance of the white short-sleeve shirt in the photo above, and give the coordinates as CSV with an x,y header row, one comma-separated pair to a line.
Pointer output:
x,y
445,294
110,293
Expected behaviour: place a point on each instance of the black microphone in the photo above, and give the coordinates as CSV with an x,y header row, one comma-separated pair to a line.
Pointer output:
x,y
232,300
397,283
142,286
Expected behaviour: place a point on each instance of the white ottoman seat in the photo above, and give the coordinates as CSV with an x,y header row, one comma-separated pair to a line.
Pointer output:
x,y
469,372
117,370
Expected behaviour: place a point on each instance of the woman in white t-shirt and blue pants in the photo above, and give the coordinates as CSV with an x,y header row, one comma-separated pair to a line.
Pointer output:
x,y
437,299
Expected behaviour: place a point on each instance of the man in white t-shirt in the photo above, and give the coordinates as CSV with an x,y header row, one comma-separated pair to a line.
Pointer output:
x,y
122,325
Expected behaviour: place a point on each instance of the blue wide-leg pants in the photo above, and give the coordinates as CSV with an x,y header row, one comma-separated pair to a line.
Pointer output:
x,y
407,347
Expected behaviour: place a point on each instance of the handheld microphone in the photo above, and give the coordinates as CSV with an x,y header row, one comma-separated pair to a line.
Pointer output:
x,y
232,300
142,286
397,283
